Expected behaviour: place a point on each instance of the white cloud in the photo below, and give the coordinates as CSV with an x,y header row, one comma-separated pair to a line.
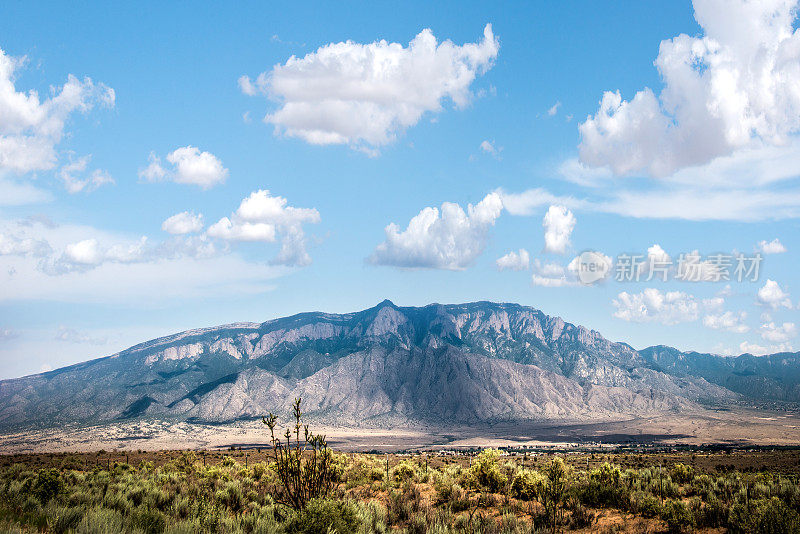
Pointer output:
x,y
225,228
778,333
247,86
656,265
183,223
558,224
759,350
154,172
771,247
690,203
74,184
652,305
551,275
527,202
772,296
89,253
365,95
554,108
263,217
514,261
666,200
31,128
730,321
23,246
490,148
189,166
447,239
715,304
87,265
70,335
576,172
733,87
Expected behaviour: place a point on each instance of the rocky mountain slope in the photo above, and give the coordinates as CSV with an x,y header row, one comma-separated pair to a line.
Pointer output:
x,y
469,363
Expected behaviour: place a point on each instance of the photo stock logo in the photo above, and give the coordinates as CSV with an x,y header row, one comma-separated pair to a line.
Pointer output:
x,y
592,267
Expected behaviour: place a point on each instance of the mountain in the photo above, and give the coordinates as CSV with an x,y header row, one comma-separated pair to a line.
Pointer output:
x,y
470,363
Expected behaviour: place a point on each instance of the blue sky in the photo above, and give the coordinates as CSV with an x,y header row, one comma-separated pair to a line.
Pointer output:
x,y
147,112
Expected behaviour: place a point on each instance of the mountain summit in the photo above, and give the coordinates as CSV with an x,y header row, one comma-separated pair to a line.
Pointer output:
x,y
389,365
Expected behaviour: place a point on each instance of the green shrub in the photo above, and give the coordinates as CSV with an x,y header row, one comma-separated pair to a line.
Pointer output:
x,y
47,485
31,505
713,514
677,516
231,496
372,518
555,491
604,487
66,519
149,521
768,516
485,473
527,485
101,521
402,505
404,471
321,516
681,473
647,505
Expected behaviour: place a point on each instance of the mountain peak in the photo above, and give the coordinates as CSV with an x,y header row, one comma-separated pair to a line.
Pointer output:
x,y
441,362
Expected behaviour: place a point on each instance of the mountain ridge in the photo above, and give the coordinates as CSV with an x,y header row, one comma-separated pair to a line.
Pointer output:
x,y
444,363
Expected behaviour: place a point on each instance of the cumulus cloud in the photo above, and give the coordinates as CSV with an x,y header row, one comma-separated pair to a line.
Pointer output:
x,y
558,224
89,253
183,223
267,218
652,305
730,321
189,166
554,109
365,95
514,261
778,333
30,128
71,173
773,296
771,247
730,88
447,239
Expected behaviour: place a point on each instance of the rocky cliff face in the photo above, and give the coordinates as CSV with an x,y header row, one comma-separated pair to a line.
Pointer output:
x,y
387,365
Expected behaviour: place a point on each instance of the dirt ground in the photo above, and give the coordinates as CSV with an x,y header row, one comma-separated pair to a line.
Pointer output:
x,y
742,428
